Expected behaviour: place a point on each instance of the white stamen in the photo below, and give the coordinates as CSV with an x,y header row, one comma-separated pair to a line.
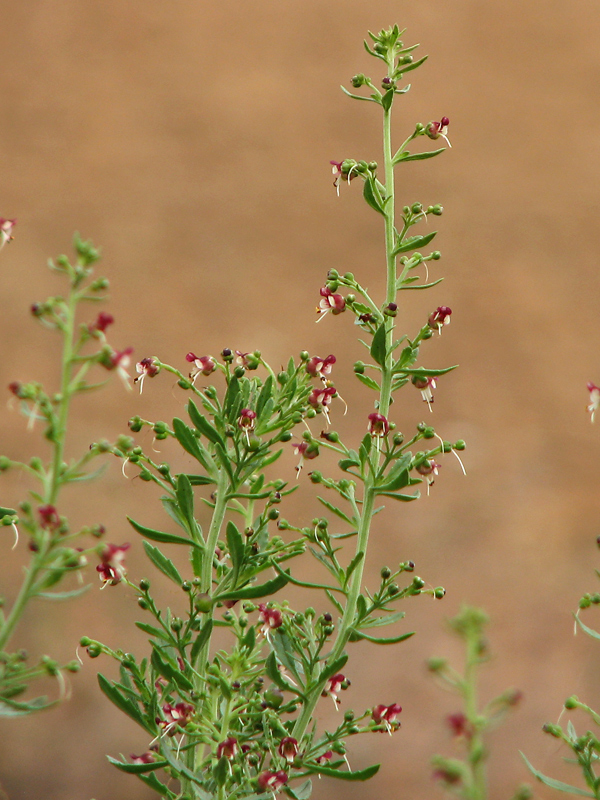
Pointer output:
x,y
16,530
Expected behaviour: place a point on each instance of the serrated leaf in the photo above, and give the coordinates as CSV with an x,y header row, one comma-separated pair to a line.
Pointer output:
x,y
414,243
160,536
358,775
554,784
203,425
153,783
162,563
152,631
378,347
371,197
367,381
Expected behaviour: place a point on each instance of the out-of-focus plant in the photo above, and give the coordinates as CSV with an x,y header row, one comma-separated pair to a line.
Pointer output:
x,y
54,550
238,722
585,747
466,776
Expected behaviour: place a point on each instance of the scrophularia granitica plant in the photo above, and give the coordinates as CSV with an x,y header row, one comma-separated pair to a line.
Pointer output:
x,y
237,721
55,551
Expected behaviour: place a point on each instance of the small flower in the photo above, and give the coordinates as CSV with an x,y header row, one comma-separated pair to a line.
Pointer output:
x,y
594,399
6,226
330,302
247,419
426,385
49,517
378,425
228,749
436,129
288,748
103,320
439,318
175,716
203,365
112,569
144,758
119,360
319,399
147,367
270,617
324,757
319,367
342,171
387,716
459,725
272,780
247,360
333,686
429,469
307,451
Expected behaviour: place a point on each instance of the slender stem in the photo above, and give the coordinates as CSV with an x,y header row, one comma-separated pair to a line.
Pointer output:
x,y
476,742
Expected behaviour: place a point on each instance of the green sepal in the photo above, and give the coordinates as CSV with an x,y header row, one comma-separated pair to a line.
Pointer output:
x,y
136,769
378,348
414,243
160,536
358,775
554,784
124,704
162,563
262,590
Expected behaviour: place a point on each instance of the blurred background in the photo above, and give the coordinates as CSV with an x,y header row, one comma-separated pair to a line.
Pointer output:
x,y
191,141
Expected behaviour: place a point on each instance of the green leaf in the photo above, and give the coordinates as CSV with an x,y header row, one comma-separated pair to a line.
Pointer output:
x,y
200,480
203,425
353,565
283,647
590,631
302,792
262,590
7,512
153,783
332,669
554,784
185,498
236,548
265,394
414,243
346,463
387,99
201,639
405,498
367,381
402,285
124,704
151,631
378,347
379,622
407,68
406,156
356,636
64,595
230,405
136,769
169,671
11,708
335,510
359,775
357,96
221,771
187,440
428,372
371,195
160,536
275,675
162,563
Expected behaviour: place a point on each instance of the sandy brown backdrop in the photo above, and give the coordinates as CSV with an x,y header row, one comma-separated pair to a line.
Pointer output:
x,y
192,140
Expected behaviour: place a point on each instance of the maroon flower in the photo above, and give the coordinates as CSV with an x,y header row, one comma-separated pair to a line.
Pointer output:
x,y
319,399
175,716
270,617
378,425
333,686
459,725
342,174
228,748
324,757
594,399
203,365
387,715
147,367
145,758
319,367
119,360
307,451
330,302
288,748
103,320
439,318
436,129
6,226
49,517
112,569
272,780
426,385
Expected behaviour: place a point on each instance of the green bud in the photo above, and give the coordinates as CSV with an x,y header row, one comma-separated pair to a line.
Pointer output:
x,y
203,603
571,703
398,439
393,589
282,378
144,584
316,477
553,730
437,210
186,586
460,445
349,276
85,641
311,413
359,367
418,583
183,384
439,592
143,604
135,424
436,664
94,651
436,255
239,371
385,573
304,355
158,427
274,696
4,463
428,433
285,436
349,716
36,464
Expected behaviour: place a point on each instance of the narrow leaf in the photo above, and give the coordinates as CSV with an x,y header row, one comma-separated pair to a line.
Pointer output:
x,y
235,545
203,425
122,703
136,769
367,381
378,348
357,635
201,639
162,563
359,775
185,498
370,195
160,536
554,784
262,590
414,243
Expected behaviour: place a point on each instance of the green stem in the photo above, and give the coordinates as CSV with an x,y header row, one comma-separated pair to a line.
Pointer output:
x,y
476,754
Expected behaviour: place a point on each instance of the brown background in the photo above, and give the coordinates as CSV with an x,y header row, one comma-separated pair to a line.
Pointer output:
x,y
191,140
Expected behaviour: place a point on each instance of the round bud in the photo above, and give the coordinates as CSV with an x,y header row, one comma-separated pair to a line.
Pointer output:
x,y
143,604
439,592
282,378
571,703
428,433
349,716
203,603
359,367
385,573
460,445
398,439
135,424
437,210
239,372
273,513
316,477
144,584
186,586
183,384
436,255
393,589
